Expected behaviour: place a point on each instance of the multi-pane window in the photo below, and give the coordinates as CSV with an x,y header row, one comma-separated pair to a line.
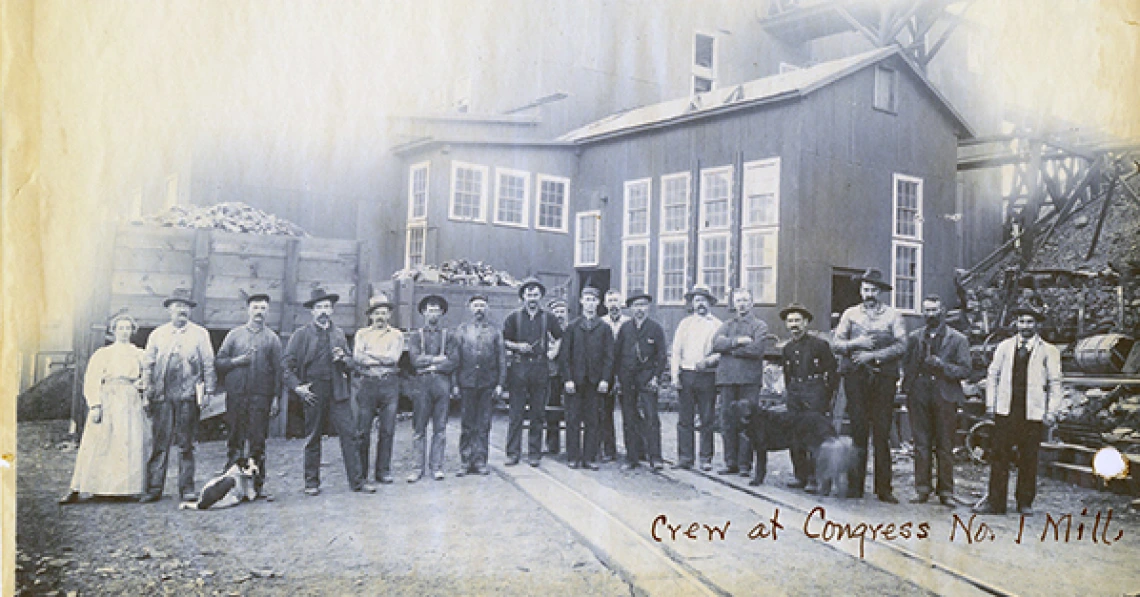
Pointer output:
x,y
762,193
760,225
716,192
588,226
704,62
637,208
886,89
512,195
759,264
907,242
468,191
675,203
552,196
673,258
713,260
416,247
418,191
635,267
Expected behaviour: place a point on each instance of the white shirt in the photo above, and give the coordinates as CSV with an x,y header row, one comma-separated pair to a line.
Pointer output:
x,y
692,342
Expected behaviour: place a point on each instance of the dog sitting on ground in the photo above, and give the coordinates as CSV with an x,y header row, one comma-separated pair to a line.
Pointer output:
x,y
229,489
773,427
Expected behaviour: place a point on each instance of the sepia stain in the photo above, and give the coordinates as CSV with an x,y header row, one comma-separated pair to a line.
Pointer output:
x,y
1109,463
7,460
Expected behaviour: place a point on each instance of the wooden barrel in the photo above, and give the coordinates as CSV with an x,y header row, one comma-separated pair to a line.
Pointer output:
x,y
1104,353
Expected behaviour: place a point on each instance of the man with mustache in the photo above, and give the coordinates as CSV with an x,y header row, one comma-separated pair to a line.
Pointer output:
x,y
694,375
640,356
554,418
937,360
316,367
810,379
741,343
527,334
608,401
871,339
178,356
587,359
250,359
432,351
480,371
377,355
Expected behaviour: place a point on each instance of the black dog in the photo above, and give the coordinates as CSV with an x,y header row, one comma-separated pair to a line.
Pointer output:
x,y
771,428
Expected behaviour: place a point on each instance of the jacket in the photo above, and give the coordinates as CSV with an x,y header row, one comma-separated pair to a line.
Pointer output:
x,y
641,349
481,359
740,365
197,361
952,348
587,352
260,377
302,351
810,369
1043,378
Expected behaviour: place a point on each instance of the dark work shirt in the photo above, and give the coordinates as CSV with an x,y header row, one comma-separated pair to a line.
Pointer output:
x,y
428,343
641,348
520,326
809,357
1019,385
262,375
322,367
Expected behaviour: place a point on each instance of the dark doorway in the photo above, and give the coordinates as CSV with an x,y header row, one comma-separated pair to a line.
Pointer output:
x,y
844,290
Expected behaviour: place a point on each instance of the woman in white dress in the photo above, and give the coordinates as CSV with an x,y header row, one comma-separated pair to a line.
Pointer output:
x,y
116,439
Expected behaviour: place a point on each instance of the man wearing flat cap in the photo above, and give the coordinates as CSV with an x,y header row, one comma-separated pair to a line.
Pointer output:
x,y
810,379
177,358
250,359
1023,390
480,372
315,368
377,354
641,355
871,339
587,359
693,371
527,334
432,350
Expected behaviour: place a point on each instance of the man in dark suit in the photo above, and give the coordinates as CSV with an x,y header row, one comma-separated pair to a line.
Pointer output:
x,y
937,360
527,334
587,358
810,378
641,356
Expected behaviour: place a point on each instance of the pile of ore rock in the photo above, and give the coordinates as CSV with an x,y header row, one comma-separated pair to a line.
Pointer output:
x,y
1115,413
233,216
460,272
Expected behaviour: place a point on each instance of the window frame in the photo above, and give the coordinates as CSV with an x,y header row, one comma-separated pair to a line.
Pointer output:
x,y
688,186
539,179
625,246
684,240
896,178
455,166
625,219
708,73
578,217
893,105
917,246
408,245
727,236
703,207
745,254
426,167
525,175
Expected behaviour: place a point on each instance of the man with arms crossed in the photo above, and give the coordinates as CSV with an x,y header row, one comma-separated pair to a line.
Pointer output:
x,y
740,342
377,356
693,368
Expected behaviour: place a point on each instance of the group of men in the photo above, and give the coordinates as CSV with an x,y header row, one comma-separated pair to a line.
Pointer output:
x,y
591,365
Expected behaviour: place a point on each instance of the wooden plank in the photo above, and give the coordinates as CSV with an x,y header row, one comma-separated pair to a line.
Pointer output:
x,y
156,286
240,287
152,260
147,311
309,270
359,277
147,237
225,314
259,245
346,290
251,266
289,299
201,272
326,246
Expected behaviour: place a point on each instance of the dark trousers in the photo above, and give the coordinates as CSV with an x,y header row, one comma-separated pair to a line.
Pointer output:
x,y
1010,433
377,398
809,396
582,439
697,398
554,418
641,426
432,397
340,413
606,433
529,384
737,448
476,430
933,422
248,418
870,404
173,422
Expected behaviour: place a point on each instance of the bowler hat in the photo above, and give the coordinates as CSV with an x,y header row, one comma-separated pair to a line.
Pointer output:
x,y
701,290
478,296
555,303
1029,310
873,276
795,307
638,296
433,299
377,301
592,291
180,295
319,295
260,296
527,283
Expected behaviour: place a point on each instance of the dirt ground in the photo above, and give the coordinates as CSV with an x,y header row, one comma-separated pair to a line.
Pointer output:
x,y
463,535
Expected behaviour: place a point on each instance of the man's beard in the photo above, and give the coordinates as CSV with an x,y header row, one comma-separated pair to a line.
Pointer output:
x,y
480,315
702,310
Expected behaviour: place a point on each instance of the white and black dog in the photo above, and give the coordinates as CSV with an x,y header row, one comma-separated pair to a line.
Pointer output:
x,y
229,489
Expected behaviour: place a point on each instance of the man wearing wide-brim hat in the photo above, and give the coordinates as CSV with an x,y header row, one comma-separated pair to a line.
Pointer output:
x,y
1023,391
432,349
376,353
178,356
527,334
316,367
693,371
810,379
871,339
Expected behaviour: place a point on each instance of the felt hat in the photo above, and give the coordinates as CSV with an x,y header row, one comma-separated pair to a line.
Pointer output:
x,y
556,302
478,296
701,290
180,295
318,295
433,299
638,296
527,283
795,307
590,290
378,300
1025,309
873,276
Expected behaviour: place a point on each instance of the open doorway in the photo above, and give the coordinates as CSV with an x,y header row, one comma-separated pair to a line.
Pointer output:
x,y
598,278
844,291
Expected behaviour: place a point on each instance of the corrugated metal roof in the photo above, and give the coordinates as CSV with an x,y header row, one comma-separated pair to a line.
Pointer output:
x,y
753,93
